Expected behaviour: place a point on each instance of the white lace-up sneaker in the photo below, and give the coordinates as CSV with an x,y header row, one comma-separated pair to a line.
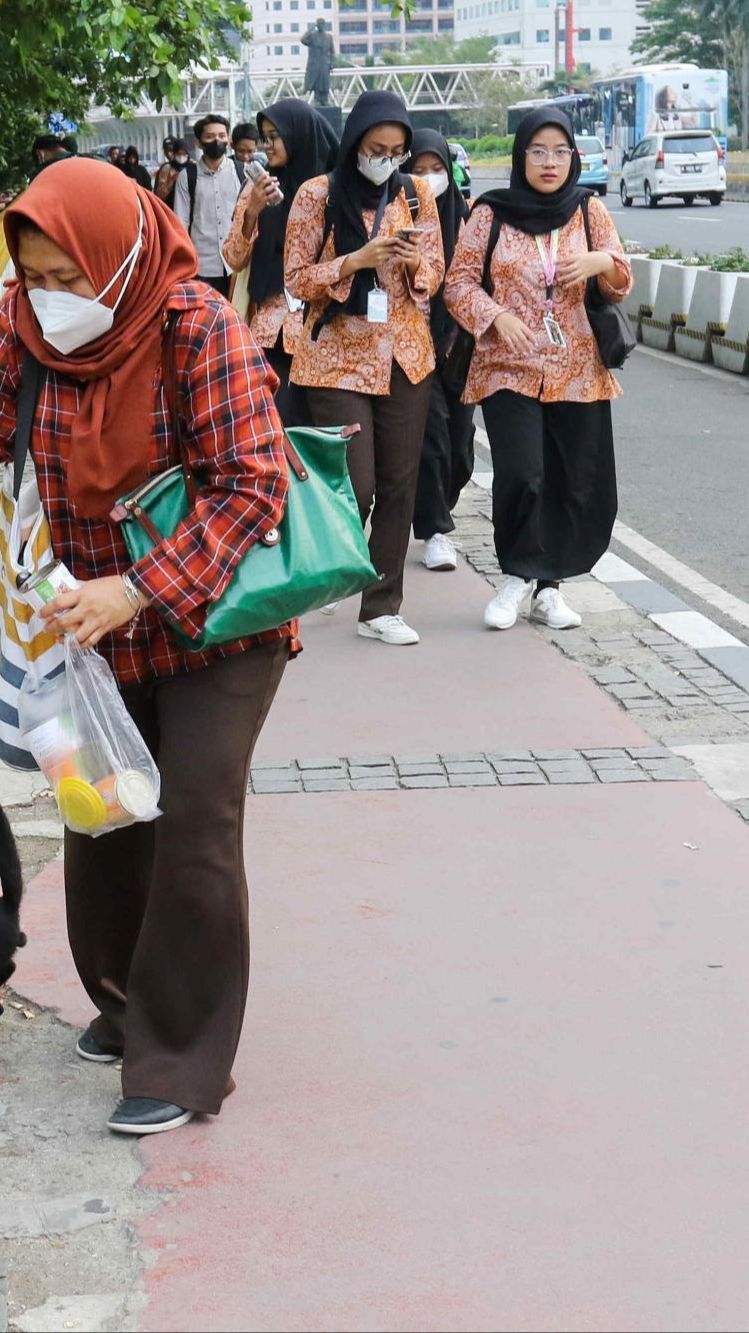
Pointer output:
x,y
502,611
549,608
388,629
329,609
439,553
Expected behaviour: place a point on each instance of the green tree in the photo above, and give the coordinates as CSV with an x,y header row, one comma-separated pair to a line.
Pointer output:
x,y
730,19
494,93
579,81
58,57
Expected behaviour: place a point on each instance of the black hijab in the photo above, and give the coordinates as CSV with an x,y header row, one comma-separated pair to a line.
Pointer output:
x,y
525,208
351,192
452,209
311,147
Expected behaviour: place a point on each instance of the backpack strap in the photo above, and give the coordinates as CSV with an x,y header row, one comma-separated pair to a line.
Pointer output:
x,y
411,195
586,220
191,169
494,231
28,396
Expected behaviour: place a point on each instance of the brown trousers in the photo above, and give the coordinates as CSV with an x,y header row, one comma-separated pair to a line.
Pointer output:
x,y
158,913
383,461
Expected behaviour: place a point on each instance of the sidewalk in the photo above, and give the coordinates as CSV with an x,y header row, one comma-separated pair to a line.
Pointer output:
x,y
494,1062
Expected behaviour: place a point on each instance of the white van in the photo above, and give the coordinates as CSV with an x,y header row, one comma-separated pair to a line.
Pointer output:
x,y
687,163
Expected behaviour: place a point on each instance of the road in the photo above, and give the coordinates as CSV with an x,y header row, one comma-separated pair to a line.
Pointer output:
x,y
700,229
683,467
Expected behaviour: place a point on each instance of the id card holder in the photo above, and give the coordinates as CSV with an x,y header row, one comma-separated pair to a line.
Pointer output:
x,y
377,306
554,332
292,301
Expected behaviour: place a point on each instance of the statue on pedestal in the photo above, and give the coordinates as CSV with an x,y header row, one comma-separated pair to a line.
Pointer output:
x,y
320,55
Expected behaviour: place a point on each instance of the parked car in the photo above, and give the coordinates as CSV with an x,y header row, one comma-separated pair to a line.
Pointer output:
x,y
689,164
461,168
595,163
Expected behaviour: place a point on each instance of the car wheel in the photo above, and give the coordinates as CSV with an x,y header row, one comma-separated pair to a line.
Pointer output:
x,y
650,199
688,199
625,197
716,200
603,190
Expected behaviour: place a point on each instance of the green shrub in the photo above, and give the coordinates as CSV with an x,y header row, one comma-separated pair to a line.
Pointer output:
x,y
734,261
665,252
490,145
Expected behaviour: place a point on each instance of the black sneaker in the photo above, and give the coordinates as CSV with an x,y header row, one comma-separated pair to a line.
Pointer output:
x,y
145,1115
90,1049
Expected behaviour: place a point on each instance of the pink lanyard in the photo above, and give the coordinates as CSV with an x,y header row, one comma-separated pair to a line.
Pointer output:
x,y
549,264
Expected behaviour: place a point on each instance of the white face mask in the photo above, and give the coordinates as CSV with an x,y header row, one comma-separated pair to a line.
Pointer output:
x,y
438,181
68,321
376,170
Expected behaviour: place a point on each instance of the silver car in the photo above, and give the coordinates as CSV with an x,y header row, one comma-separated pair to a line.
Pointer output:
x,y
689,164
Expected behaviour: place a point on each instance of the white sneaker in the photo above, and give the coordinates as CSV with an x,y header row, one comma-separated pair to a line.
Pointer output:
x,y
502,611
550,608
439,553
389,629
329,609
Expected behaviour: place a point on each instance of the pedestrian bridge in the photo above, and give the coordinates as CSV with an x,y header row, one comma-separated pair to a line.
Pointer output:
x,y
235,92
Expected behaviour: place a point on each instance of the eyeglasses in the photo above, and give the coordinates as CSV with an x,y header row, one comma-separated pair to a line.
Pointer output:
x,y
540,156
268,140
389,157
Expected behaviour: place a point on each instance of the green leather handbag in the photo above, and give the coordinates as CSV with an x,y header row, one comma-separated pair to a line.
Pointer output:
x,y
317,554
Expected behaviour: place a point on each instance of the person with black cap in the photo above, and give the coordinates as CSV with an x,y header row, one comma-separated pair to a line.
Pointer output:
x,y
364,250
299,144
177,156
447,455
536,368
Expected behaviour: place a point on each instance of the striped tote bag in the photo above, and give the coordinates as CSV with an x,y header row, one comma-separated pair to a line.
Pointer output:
x,y
26,645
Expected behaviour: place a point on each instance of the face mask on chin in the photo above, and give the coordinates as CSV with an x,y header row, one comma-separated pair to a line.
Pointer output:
x,y
438,182
215,150
376,172
68,321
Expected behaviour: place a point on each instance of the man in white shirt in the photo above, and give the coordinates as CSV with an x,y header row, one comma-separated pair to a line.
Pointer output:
x,y
205,196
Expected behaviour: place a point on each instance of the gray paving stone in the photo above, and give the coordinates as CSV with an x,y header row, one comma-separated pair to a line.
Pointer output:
x,y
563,766
612,676
571,778
675,774
272,766
742,808
370,760
630,692
20,1218
276,788
731,661
375,783
514,766
554,755
615,762
609,753
370,771
324,774
467,766
305,764
649,752
632,704
272,774
415,770
646,596
467,757
472,779
535,779
425,780
401,759
622,775
506,756
326,784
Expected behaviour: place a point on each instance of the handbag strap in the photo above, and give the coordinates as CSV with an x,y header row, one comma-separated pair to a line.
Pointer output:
x,y
494,231
28,396
586,220
169,361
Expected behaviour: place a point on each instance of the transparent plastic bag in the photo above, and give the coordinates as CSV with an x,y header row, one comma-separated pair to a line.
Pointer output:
x,y
85,742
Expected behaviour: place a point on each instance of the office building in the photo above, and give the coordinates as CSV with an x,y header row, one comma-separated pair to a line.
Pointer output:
x,y
530,31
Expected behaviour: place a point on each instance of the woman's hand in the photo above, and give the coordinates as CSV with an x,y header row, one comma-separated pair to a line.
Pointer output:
x,y
374,252
515,335
590,264
261,195
409,252
90,611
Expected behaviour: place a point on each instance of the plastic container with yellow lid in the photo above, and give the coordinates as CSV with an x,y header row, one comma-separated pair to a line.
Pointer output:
x,y
81,805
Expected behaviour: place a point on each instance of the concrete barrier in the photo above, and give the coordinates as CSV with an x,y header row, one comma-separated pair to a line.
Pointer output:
x,y
731,352
671,306
709,309
641,299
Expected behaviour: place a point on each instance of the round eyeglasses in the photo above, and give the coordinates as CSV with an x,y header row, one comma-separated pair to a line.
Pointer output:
x,y
540,156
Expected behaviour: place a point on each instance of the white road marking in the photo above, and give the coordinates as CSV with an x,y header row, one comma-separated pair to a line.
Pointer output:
x,y
675,362
695,630
483,479
612,569
687,217
684,575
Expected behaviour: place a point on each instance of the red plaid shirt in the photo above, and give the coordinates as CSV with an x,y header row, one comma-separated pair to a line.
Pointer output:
x,y
233,435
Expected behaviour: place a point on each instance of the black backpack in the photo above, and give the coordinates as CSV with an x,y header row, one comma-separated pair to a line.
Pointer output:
x,y
191,168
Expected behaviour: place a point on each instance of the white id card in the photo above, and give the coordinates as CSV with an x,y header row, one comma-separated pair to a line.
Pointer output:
x,y
292,301
554,332
377,306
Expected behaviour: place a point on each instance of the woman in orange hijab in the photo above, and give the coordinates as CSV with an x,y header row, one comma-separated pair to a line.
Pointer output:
x,y
157,913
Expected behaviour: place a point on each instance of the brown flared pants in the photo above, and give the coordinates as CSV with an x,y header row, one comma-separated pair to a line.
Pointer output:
x,y
158,916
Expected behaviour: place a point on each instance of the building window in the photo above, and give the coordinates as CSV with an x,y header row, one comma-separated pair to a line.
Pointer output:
x,y
295,50
295,27
508,39
445,25
358,25
385,25
444,4
278,50
542,36
417,25
583,34
278,27
604,34
294,4
276,5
